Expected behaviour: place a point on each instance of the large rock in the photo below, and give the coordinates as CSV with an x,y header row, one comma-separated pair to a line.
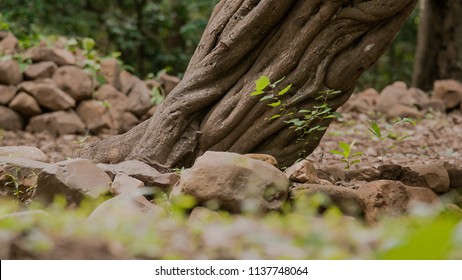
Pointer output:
x,y
29,152
235,182
110,70
10,73
9,119
76,82
127,80
363,102
124,184
115,98
455,175
347,200
448,91
143,172
8,43
123,208
7,94
57,123
18,176
395,101
421,196
302,172
384,198
40,70
48,95
434,176
95,115
26,105
139,98
59,56
75,179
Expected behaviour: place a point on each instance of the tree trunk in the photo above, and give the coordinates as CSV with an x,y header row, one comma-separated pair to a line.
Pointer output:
x,y
439,46
316,45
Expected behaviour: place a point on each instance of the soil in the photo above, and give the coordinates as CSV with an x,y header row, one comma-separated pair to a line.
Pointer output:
x,y
436,137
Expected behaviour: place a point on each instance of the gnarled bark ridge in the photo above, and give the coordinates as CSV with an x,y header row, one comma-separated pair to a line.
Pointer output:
x,y
316,45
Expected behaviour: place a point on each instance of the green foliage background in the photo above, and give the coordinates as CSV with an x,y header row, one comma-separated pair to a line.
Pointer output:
x,y
155,34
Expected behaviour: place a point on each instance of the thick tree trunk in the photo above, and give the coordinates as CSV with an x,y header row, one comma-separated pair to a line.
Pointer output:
x,y
439,47
316,45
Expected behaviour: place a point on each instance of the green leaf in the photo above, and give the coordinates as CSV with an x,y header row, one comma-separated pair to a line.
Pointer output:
x,y
357,154
304,111
285,90
262,83
344,146
273,85
275,104
375,129
257,92
356,161
88,44
275,116
336,152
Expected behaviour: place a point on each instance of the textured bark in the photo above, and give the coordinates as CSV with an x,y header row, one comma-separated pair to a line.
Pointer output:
x,y
439,46
316,45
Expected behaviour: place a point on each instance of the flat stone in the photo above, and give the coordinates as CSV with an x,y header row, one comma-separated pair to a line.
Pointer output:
x,y
9,119
302,172
57,123
59,56
139,98
40,70
25,104
74,81
10,73
48,95
74,179
7,94
24,152
95,116
124,184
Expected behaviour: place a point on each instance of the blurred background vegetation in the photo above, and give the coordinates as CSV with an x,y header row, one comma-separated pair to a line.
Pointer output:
x,y
158,34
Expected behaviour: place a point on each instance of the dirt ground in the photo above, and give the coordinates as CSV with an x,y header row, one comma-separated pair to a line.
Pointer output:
x,y
436,137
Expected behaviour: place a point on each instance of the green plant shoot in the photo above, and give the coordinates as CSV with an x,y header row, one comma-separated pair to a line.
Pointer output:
x,y
346,152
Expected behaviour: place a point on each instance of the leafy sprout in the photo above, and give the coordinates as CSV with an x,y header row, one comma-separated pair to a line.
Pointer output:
x,y
347,156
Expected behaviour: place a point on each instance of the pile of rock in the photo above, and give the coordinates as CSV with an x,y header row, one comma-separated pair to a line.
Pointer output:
x,y
56,94
398,101
227,181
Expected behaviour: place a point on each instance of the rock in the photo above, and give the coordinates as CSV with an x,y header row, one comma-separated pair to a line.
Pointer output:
x,y
169,82
264,157
384,198
59,56
74,179
139,98
390,171
127,80
113,97
8,44
110,70
122,208
40,70
434,176
22,170
448,91
24,152
395,101
235,182
7,94
95,116
435,105
332,174
302,172
202,214
455,175
367,174
124,184
124,120
57,123
346,199
143,172
74,81
10,73
26,105
9,119
419,96
421,196
48,95
363,102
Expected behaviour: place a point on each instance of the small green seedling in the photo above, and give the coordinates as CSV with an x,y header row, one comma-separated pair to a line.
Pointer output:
x,y
382,135
346,152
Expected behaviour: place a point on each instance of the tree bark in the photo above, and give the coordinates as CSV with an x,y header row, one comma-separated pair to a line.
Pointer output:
x,y
439,46
316,45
